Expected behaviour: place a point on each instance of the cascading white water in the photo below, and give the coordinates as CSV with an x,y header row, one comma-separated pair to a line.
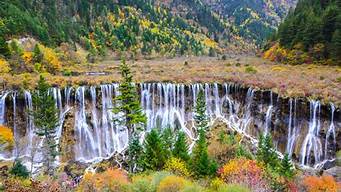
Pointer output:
x,y
3,107
86,146
292,128
312,142
167,105
330,133
268,120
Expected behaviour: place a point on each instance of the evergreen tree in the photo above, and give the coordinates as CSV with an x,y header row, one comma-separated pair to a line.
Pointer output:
x,y
336,47
19,170
37,54
135,153
154,156
201,164
128,103
200,117
180,147
45,114
167,141
266,153
286,169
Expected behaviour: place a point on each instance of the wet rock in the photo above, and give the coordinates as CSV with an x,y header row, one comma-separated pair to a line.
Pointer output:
x,y
75,169
335,172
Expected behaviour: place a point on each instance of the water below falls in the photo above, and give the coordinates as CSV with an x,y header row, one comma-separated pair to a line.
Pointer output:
x,y
300,128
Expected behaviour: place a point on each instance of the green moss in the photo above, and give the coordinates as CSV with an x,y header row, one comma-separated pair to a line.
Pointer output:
x,y
250,69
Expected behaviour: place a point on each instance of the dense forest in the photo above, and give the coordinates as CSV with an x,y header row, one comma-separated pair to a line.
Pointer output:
x,y
136,26
310,34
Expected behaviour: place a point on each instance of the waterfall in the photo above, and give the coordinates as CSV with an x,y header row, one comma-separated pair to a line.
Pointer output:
x,y
85,147
268,120
312,142
2,108
97,136
292,129
330,132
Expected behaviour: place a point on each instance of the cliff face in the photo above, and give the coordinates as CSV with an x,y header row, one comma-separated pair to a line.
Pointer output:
x,y
307,130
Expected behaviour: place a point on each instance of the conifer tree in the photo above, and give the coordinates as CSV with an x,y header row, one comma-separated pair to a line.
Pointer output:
x,y
46,120
266,152
128,103
154,157
201,164
286,169
167,138
336,47
180,147
200,117
135,153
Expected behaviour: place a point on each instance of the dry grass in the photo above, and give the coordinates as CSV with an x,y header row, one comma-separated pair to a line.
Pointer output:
x,y
295,81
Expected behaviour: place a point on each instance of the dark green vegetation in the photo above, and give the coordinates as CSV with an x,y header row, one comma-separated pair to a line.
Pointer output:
x,y
314,28
253,19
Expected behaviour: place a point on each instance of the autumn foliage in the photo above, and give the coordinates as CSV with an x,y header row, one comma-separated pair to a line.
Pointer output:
x,y
177,166
246,172
6,137
318,184
110,180
4,66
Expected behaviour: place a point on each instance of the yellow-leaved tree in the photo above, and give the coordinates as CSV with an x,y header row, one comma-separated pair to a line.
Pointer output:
x,y
6,138
4,66
50,60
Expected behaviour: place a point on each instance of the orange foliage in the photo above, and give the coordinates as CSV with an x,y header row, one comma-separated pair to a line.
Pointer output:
x,y
275,53
318,184
110,180
246,172
6,137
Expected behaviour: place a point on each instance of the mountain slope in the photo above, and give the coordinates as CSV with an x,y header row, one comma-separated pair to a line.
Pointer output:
x,y
310,34
135,26
254,19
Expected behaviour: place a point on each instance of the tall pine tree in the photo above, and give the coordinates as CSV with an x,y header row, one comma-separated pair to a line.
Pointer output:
x,y
200,117
180,149
128,103
154,155
45,114
201,164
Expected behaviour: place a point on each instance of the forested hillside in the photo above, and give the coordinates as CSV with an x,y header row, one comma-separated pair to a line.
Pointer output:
x,y
136,26
253,19
310,34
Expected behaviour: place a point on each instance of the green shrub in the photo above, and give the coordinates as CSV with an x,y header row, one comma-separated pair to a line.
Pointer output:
x,y
142,185
338,79
19,170
250,69
159,176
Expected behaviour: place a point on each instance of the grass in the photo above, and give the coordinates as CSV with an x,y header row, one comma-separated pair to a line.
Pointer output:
x,y
286,80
